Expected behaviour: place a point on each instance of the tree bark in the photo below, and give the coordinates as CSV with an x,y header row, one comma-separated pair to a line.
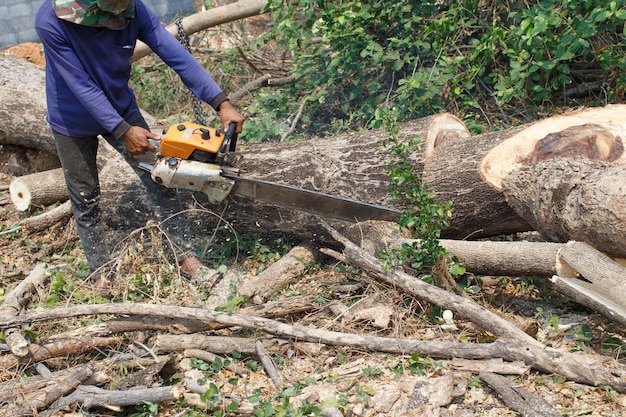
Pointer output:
x,y
524,402
23,105
280,274
47,219
573,199
42,398
89,397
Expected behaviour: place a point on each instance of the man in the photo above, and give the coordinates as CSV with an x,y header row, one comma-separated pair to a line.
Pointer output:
x,y
88,46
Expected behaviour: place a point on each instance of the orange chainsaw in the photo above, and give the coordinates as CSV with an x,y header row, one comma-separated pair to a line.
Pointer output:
x,y
199,158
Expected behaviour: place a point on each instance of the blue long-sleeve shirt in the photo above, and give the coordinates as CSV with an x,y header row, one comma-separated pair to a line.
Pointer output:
x,y
88,69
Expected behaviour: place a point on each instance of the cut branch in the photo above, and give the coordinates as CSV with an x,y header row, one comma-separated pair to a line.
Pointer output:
x,y
519,399
516,345
17,301
38,189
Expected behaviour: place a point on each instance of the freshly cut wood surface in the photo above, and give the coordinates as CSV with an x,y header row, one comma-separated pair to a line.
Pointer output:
x,y
593,132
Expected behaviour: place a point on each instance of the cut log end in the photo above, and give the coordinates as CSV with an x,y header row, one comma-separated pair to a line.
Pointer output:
x,y
443,127
20,195
38,189
594,133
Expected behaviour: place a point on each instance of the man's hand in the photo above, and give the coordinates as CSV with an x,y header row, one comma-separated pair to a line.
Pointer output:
x,y
229,114
136,140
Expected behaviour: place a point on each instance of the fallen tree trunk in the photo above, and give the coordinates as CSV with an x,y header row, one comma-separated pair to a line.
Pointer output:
x,y
23,105
572,199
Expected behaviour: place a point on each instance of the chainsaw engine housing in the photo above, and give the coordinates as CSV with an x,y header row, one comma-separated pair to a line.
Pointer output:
x,y
193,142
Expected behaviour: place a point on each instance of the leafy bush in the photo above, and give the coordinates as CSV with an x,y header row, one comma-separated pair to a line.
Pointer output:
x,y
488,61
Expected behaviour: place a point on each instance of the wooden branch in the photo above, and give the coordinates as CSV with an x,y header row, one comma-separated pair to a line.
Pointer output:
x,y
249,87
45,220
38,189
497,366
210,18
287,270
520,259
271,309
17,301
220,345
144,377
212,358
578,367
57,349
294,122
56,388
536,259
478,314
542,358
517,398
89,397
268,365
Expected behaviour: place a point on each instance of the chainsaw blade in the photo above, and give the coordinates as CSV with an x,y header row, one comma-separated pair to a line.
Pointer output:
x,y
308,201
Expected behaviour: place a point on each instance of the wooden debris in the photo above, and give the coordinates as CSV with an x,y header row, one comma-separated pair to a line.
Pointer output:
x,y
604,292
89,397
519,399
496,366
513,345
47,219
268,365
59,348
209,18
280,274
40,399
17,301
143,377
38,189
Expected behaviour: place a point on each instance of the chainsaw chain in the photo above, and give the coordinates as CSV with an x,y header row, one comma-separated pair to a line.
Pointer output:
x,y
196,103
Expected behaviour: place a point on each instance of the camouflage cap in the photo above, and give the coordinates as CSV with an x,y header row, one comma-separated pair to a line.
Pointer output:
x,y
112,14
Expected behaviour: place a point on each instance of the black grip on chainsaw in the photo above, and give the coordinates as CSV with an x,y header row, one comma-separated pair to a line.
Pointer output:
x,y
229,144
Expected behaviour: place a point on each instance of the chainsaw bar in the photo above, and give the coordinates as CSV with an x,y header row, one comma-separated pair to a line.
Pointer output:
x,y
309,201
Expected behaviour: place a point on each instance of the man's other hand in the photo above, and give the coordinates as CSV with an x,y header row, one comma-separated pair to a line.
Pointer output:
x,y
229,114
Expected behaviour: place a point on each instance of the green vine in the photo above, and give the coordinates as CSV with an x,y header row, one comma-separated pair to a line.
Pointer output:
x,y
424,216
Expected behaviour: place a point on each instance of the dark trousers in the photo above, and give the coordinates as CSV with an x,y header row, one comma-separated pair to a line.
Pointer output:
x,y
78,159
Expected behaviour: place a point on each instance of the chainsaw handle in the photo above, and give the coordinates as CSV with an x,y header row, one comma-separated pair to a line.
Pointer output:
x,y
229,143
